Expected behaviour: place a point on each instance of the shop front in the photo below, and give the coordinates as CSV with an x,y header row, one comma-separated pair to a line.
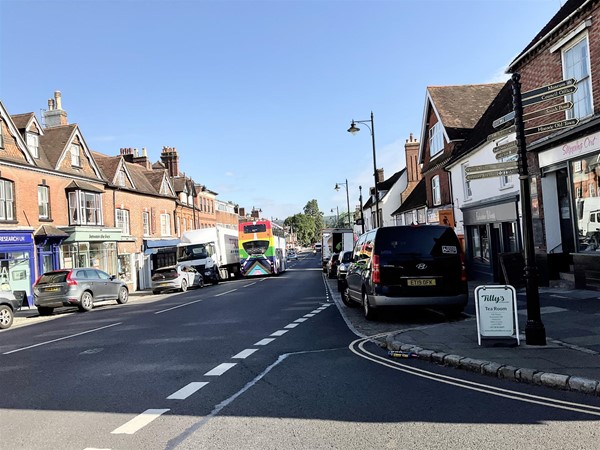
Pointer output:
x,y
91,247
570,174
47,245
17,256
491,229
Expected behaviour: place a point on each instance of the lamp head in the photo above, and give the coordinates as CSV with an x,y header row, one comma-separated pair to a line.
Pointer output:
x,y
353,128
337,187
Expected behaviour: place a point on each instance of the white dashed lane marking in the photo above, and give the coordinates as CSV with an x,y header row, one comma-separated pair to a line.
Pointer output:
x,y
245,353
140,421
300,320
265,341
309,315
219,370
279,333
291,325
188,390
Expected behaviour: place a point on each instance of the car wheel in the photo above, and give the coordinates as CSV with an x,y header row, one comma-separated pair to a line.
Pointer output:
x,y
45,310
156,291
123,295
86,302
346,298
368,311
6,317
201,284
183,285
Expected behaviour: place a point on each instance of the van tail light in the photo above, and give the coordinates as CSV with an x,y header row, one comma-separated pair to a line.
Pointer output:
x,y
375,272
463,267
70,281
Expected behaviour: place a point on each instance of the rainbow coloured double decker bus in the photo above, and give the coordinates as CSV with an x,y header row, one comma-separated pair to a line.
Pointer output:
x,y
262,248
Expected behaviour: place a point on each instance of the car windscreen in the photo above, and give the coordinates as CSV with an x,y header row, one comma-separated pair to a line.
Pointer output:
x,y
53,277
424,240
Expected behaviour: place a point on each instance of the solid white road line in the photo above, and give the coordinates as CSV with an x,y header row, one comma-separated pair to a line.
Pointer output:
x,y
219,370
245,353
178,306
265,341
62,338
246,285
188,390
291,325
140,421
279,333
300,320
226,292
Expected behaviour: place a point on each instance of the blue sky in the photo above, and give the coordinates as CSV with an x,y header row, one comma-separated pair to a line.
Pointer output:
x,y
257,95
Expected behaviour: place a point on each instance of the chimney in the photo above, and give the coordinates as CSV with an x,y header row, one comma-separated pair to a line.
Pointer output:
x,y
170,159
380,177
411,151
242,212
142,160
126,154
55,116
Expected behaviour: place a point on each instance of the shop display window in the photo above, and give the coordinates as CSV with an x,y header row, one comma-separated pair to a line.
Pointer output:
x,y
585,175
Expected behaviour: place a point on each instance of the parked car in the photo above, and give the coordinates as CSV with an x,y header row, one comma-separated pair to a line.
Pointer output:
x,y
344,263
416,266
332,265
292,255
79,287
178,277
9,303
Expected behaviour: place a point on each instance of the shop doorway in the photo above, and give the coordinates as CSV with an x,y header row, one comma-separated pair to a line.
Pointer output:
x,y
564,206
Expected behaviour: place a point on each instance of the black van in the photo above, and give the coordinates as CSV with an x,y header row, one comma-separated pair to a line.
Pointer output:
x,y
412,266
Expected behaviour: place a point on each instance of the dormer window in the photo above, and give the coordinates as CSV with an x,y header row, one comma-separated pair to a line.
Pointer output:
x,y
33,144
121,178
75,155
436,139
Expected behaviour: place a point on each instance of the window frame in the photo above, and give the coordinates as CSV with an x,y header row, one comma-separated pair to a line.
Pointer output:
x,y
436,191
165,224
7,202
33,143
79,208
436,140
75,151
584,84
44,203
146,223
122,221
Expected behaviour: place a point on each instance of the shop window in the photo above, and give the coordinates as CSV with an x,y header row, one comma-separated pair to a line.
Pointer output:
x,y
576,65
43,202
124,268
7,200
122,220
85,208
587,203
480,244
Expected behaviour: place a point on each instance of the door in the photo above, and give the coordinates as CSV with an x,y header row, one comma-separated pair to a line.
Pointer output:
x,y
564,209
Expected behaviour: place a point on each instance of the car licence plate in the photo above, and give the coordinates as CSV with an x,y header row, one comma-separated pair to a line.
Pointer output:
x,y
421,282
52,289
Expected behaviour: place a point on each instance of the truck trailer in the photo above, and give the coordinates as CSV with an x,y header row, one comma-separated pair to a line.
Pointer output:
x,y
213,252
335,240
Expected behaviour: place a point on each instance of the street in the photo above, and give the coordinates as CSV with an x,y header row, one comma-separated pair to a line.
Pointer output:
x,y
259,363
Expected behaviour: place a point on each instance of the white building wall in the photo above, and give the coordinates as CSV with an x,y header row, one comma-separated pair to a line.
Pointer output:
x,y
391,201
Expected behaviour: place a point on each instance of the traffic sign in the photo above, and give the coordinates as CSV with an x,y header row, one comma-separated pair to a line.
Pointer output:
x,y
508,146
496,166
549,96
502,120
549,110
494,173
548,88
501,133
505,153
551,126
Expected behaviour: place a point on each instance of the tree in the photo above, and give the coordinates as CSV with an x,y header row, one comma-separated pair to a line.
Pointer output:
x,y
303,226
312,210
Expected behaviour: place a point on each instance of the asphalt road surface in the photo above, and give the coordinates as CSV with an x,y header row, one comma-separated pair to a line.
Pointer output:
x,y
261,363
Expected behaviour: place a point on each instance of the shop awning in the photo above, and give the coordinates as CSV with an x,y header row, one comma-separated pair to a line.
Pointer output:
x,y
47,231
82,185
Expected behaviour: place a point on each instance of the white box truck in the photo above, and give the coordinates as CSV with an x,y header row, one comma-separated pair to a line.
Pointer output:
x,y
335,240
213,252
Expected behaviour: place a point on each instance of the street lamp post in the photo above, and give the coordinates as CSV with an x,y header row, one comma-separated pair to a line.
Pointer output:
x,y
337,188
337,217
353,130
362,217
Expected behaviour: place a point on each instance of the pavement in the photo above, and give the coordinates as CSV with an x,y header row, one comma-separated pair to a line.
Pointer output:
x,y
570,360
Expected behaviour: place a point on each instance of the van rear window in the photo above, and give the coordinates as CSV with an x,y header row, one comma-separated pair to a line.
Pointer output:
x,y
424,240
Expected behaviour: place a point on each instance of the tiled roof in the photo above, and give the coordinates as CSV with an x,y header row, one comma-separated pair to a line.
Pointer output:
x,y
140,179
460,107
387,184
415,200
500,106
55,140
565,11
21,120
108,164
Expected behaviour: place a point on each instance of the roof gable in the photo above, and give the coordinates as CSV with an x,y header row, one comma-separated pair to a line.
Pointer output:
x,y
23,151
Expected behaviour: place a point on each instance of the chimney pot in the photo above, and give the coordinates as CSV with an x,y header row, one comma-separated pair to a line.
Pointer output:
x,y
58,98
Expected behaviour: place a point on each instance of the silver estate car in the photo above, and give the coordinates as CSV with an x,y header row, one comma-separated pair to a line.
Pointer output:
x,y
79,287
176,278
